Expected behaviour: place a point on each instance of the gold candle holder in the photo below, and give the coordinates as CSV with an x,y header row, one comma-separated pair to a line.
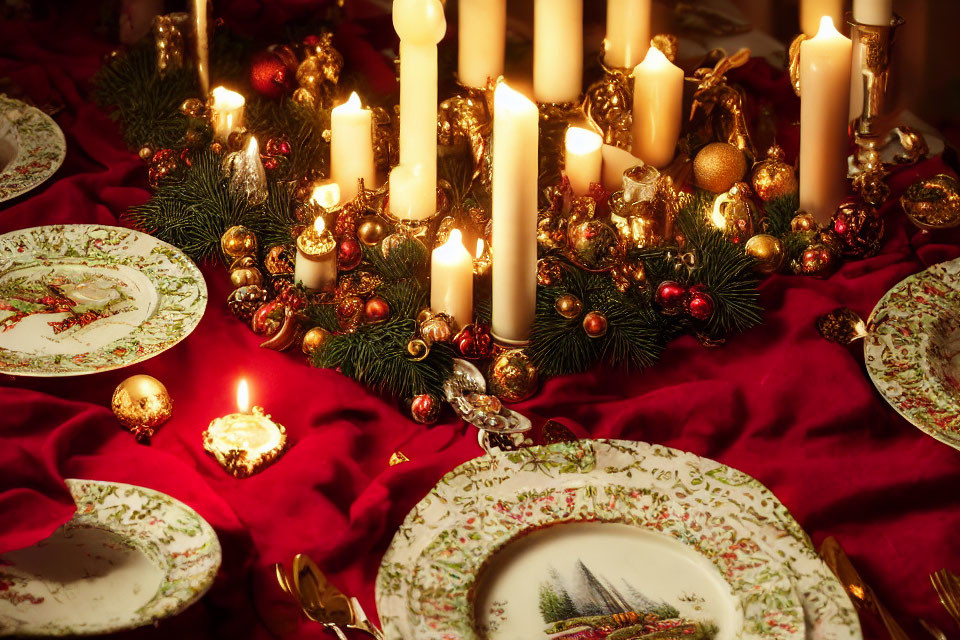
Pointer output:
x,y
244,443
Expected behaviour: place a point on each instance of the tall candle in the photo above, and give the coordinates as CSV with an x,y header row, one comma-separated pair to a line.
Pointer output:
x,y
824,107
451,280
404,183
227,112
582,159
628,33
875,12
201,33
351,147
657,108
515,135
811,11
557,50
420,25
872,12
482,33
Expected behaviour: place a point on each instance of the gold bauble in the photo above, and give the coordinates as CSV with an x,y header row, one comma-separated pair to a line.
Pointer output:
x,y
314,340
191,107
933,203
371,231
238,241
146,153
774,178
718,166
437,328
245,276
141,401
802,222
513,378
569,306
767,250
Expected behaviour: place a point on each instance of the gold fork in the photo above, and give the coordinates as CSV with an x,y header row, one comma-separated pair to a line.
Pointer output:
x,y
945,584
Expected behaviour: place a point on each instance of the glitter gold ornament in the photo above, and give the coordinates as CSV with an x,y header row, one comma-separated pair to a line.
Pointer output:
x,y
314,340
238,241
244,301
773,178
349,312
933,203
718,166
803,222
858,228
767,250
513,378
141,404
549,272
568,306
371,230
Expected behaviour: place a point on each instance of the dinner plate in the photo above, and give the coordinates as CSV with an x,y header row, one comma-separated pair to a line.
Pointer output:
x,y
912,350
79,299
605,539
32,147
128,557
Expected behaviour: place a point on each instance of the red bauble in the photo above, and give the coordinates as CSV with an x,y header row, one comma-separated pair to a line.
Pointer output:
x,y
349,254
376,310
595,324
671,296
425,408
700,303
474,341
268,319
276,146
270,76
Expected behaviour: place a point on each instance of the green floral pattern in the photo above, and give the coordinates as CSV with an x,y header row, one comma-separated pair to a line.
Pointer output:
x,y
41,148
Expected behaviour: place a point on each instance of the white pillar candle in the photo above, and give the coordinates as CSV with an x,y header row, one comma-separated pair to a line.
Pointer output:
x,y
201,34
482,33
824,107
226,112
316,263
657,108
351,147
582,159
420,25
811,12
875,12
516,123
628,33
557,50
402,199
615,162
872,12
451,280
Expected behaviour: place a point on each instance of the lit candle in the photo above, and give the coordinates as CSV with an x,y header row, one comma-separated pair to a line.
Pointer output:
x,y
824,108
226,112
244,442
875,12
615,162
316,263
515,169
200,32
451,280
351,147
420,25
482,33
557,50
657,108
582,159
247,175
628,33
812,11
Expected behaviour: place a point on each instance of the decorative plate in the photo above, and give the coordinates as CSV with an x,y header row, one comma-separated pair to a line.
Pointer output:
x,y
607,540
32,147
912,350
78,299
129,557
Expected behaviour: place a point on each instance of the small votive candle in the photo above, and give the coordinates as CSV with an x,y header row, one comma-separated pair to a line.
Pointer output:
x,y
244,442
226,112
582,159
316,264
451,280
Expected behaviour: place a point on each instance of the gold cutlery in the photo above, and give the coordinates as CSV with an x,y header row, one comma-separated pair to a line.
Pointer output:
x,y
947,587
862,596
287,585
933,630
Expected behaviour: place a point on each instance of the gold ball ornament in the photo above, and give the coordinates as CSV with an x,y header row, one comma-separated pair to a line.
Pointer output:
x,y
141,404
513,378
718,166
371,230
238,241
803,222
773,178
568,306
314,340
191,107
146,153
767,250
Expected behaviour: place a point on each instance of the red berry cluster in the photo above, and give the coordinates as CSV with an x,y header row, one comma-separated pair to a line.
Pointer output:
x,y
674,299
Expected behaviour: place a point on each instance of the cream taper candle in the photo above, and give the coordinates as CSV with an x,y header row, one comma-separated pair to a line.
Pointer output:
x,y
451,280
582,159
557,50
226,112
628,33
516,122
875,12
482,33
811,12
824,107
871,12
351,147
657,108
200,35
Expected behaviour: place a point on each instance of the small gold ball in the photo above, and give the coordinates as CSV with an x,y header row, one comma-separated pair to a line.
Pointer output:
x,y
315,339
146,153
773,178
569,306
191,107
141,401
371,231
802,222
238,241
767,250
718,166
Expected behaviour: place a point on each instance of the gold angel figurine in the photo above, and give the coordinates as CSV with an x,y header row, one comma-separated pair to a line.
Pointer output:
x,y
718,107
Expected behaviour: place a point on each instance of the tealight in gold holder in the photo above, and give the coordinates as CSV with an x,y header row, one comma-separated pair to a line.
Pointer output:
x,y
244,443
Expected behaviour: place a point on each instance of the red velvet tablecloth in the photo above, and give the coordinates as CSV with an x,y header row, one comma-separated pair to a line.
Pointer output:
x,y
778,402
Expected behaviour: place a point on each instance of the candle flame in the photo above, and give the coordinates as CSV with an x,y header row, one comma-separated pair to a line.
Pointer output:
x,y
224,98
253,148
827,28
719,221
319,225
654,58
353,102
480,247
582,141
456,237
506,96
326,195
243,396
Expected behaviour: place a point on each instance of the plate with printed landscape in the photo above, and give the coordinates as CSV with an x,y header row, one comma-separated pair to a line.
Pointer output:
x,y
606,540
912,350
79,299
128,557
32,147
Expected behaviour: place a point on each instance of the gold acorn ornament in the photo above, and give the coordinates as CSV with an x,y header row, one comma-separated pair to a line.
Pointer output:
x,y
773,178
767,250
718,166
513,377
141,403
238,241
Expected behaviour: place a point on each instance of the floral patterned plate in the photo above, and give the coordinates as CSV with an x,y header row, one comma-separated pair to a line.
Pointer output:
x,y
32,147
128,557
78,299
605,540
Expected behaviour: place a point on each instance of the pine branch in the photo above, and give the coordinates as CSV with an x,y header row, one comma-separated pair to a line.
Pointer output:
x,y
780,211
